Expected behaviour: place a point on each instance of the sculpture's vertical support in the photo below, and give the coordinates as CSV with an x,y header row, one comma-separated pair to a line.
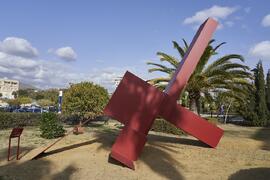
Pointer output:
x,y
128,146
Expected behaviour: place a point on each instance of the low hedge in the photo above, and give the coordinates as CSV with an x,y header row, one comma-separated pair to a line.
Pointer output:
x,y
161,125
12,120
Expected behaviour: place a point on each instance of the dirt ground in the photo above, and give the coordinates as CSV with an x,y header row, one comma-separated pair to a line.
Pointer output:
x,y
243,153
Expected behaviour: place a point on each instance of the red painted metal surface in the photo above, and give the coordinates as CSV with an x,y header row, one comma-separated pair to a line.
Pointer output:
x,y
15,133
136,104
190,122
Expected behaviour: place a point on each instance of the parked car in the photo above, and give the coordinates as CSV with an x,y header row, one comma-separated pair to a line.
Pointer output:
x,y
19,110
36,110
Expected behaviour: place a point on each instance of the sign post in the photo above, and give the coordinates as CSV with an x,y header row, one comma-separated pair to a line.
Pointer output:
x,y
15,133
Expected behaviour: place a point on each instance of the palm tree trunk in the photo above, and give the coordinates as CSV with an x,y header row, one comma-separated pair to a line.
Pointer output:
x,y
194,102
193,105
198,104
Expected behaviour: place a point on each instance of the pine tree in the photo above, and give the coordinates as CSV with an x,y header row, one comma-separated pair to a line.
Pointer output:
x,y
268,90
249,109
261,107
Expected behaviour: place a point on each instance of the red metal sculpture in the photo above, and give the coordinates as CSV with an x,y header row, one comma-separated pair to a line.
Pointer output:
x,y
136,104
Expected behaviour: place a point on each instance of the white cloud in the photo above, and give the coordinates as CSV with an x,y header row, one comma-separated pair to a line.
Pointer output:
x,y
66,53
229,23
216,12
266,21
50,74
261,50
18,47
18,60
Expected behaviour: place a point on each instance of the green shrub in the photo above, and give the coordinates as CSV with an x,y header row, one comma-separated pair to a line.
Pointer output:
x,y
50,127
161,125
12,120
85,99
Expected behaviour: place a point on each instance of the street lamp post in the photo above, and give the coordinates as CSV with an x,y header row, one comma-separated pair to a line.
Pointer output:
x,y
60,99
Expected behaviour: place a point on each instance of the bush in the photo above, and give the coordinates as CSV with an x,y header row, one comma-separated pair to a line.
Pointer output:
x,y
12,120
161,125
85,99
50,127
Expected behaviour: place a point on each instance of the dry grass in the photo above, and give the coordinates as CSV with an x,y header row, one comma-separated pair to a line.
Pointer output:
x,y
243,153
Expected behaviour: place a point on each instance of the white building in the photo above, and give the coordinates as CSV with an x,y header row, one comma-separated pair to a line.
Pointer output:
x,y
7,87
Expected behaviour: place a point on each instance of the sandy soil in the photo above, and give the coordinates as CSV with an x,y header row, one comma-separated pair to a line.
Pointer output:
x,y
243,153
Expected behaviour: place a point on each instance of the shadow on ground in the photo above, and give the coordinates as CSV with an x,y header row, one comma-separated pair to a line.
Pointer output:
x,y
263,134
13,152
163,164
155,155
153,138
251,174
260,134
32,170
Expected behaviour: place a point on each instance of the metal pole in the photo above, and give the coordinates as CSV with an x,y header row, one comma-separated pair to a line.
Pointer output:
x,y
9,148
18,148
60,97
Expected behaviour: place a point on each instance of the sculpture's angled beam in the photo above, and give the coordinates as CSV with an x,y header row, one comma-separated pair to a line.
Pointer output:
x,y
191,58
134,101
190,122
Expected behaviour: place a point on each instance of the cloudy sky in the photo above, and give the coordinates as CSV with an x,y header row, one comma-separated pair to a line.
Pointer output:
x,y
51,43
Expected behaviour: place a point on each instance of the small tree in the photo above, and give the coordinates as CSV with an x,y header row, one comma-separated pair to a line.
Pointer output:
x,y
85,99
268,90
1,95
15,94
261,107
45,102
23,92
13,102
50,126
24,100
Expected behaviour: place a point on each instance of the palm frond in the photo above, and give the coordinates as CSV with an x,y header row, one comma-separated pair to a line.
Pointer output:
x,y
185,43
167,70
156,64
218,46
233,66
224,60
180,50
165,57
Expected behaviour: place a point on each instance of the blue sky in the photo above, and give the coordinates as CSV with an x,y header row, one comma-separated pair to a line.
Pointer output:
x,y
51,43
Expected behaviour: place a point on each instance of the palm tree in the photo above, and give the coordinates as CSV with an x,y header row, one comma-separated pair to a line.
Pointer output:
x,y
221,75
